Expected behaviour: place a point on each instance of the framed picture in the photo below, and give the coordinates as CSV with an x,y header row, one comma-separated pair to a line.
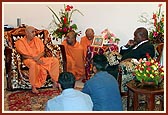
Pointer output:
x,y
98,41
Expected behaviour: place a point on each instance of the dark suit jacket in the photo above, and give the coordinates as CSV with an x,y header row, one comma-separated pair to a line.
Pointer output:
x,y
139,52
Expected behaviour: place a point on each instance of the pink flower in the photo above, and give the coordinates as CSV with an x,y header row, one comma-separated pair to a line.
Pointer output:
x,y
65,29
147,63
112,35
106,36
155,34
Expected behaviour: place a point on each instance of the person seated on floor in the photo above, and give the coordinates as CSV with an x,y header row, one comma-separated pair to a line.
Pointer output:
x,y
87,39
75,55
103,87
70,99
135,49
31,49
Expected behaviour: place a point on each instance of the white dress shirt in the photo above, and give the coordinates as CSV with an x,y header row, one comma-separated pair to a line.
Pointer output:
x,y
70,100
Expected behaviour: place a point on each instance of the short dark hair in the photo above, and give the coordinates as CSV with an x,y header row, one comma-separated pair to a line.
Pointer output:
x,y
66,80
100,62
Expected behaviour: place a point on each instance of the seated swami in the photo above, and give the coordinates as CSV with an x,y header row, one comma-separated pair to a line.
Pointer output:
x,y
75,55
31,49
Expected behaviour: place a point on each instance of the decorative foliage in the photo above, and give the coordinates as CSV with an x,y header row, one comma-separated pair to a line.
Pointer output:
x,y
109,37
62,24
156,29
149,70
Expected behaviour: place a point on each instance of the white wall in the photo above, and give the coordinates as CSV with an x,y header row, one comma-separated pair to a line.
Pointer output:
x,y
121,18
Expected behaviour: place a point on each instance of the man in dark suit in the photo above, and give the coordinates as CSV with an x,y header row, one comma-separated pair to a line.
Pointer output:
x,y
139,46
136,48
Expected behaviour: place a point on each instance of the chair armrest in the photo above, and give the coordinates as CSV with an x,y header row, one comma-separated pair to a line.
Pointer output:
x,y
57,51
64,59
126,66
125,74
113,57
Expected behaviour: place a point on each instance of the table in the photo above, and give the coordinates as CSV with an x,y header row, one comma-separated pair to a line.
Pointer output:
x,y
149,91
93,50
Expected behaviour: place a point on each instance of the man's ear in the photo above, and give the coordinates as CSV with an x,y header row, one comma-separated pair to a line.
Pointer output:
x,y
94,69
59,86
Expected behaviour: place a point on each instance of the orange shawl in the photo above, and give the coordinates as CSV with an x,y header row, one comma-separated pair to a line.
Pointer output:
x,y
75,59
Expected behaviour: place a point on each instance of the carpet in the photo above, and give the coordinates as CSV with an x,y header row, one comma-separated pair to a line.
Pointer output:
x,y
27,101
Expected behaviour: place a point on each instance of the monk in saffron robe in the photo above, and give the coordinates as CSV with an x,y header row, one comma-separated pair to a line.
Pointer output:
x,y
75,55
31,49
87,39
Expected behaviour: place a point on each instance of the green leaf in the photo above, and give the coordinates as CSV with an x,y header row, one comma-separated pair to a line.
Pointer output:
x,y
72,13
55,14
139,78
74,26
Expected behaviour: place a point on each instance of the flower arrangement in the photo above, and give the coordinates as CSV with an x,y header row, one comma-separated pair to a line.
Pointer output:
x,y
156,30
109,37
149,70
62,24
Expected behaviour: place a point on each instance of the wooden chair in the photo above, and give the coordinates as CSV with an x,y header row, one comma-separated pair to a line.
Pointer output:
x,y
16,72
159,49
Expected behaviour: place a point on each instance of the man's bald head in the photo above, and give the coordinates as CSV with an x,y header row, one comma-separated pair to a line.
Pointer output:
x,y
89,33
30,32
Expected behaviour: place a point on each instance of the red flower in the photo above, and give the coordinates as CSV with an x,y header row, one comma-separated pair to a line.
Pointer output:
x,y
155,34
147,63
68,8
65,20
148,68
154,16
159,5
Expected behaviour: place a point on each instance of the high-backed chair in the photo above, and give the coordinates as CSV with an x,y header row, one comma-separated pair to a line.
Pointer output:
x,y
16,72
159,49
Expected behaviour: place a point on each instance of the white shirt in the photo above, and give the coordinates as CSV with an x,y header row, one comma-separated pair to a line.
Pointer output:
x,y
124,48
70,100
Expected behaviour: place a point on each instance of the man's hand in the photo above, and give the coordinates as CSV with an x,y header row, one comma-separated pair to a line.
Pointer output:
x,y
130,43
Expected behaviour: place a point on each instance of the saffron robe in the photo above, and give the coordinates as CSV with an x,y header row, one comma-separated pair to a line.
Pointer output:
x,y
85,42
37,72
75,59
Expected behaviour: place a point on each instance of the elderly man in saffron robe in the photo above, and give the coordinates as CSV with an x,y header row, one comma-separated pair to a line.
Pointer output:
x,y
31,49
87,39
75,55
